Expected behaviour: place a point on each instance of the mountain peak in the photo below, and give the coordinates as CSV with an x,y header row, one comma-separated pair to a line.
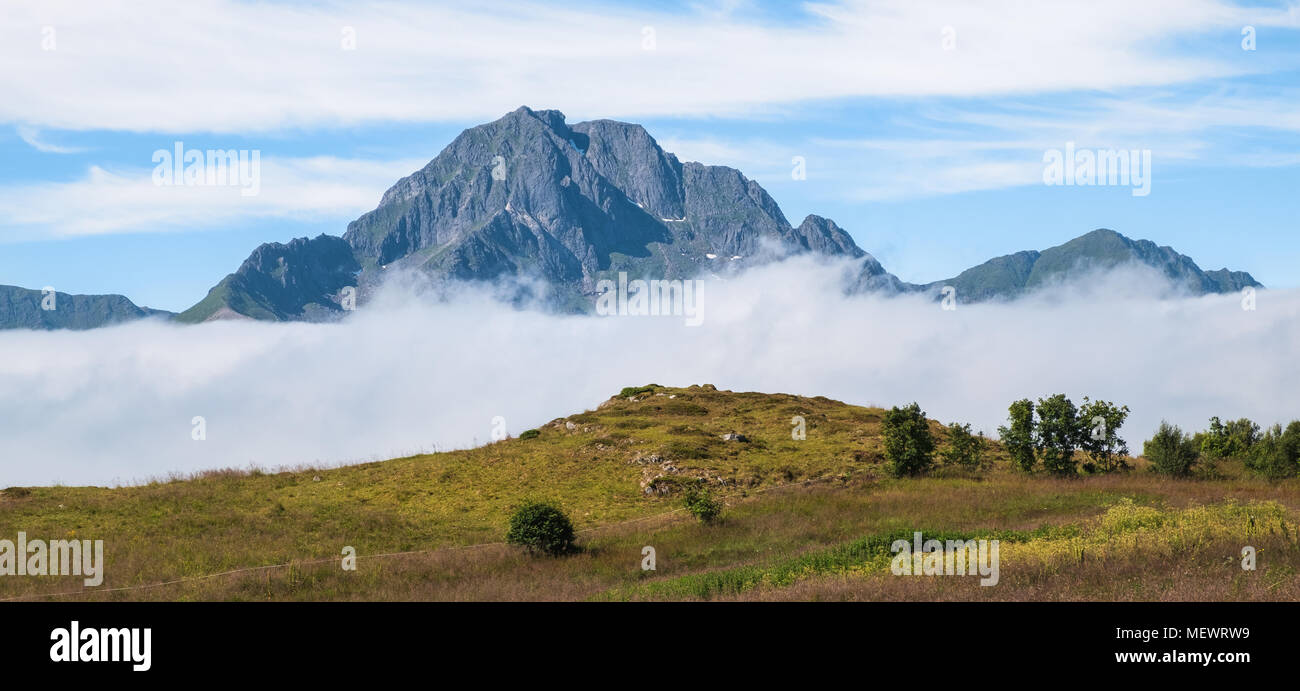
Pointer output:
x,y
298,280
820,234
551,118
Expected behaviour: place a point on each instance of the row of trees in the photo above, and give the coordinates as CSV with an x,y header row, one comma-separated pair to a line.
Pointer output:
x,y
1051,432
1273,453
1056,435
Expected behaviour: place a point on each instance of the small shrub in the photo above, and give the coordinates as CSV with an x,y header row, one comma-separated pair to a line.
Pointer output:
x,y
542,528
629,391
699,500
963,448
529,434
1170,451
908,443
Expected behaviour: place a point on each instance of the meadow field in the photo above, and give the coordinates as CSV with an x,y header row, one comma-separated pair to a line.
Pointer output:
x,y
804,519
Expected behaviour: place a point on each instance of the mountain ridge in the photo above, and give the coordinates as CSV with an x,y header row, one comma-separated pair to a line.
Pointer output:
x,y
530,196
25,308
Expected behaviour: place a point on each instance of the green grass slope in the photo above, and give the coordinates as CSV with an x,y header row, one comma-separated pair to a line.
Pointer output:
x,y
805,519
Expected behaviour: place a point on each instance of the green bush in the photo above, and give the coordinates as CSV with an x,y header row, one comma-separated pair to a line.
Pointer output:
x,y
629,391
699,500
1018,439
529,434
542,528
1276,454
908,443
1170,451
963,448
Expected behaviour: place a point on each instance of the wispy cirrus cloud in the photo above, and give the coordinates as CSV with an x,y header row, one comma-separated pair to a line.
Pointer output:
x,y
32,137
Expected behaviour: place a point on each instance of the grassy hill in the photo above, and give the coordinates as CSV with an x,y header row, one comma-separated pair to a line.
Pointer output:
x,y
805,519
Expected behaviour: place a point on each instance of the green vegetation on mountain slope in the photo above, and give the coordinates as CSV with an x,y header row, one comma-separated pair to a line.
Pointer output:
x,y
795,509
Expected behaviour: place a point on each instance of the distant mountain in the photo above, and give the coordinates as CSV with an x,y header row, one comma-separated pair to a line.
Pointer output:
x,y
21,308
531,196
298,281
1014,274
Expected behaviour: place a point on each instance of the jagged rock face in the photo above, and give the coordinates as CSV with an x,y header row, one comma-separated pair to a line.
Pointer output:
x,y
514,196
630,159
528,194
300,280
1225,281
821,235
21,308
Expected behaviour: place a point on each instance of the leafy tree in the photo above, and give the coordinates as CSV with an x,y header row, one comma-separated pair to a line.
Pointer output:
x,y
1242,434
541,527
963,448
1170,451
1058,434
1018,439
701,503
1213,441
908,443
1276,454
1233,439
1099,423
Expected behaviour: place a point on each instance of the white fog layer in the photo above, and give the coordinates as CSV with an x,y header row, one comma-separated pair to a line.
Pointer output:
x,y
405,375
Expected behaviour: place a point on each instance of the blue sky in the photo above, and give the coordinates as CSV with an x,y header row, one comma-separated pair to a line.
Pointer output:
x,y
930,155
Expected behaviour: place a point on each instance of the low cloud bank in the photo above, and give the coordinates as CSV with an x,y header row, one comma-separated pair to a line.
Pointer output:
x,y
404,375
